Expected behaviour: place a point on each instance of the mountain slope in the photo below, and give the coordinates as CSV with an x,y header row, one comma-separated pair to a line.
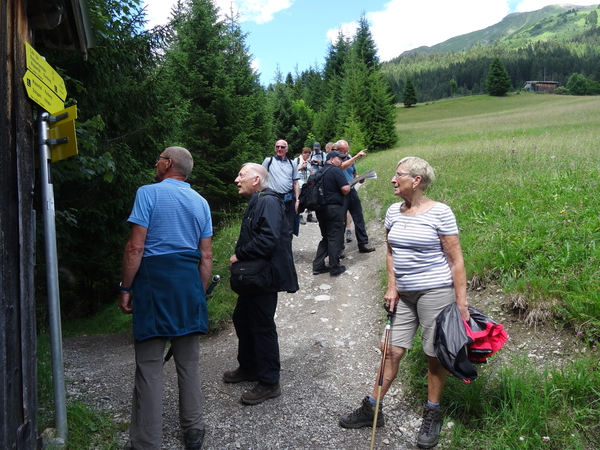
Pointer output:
x,y
517,29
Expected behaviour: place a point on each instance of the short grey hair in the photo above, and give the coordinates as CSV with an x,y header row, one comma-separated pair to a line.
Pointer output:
x,y
256,170
182,160
418,167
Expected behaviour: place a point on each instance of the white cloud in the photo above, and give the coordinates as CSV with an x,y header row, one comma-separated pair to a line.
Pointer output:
x,y
255,64
406,25
347,29
259,11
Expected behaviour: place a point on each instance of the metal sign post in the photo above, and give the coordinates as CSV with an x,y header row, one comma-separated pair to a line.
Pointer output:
x,y
58,376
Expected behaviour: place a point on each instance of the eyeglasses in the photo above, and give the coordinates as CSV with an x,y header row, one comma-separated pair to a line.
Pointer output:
x,y
159,157
400,175
281,146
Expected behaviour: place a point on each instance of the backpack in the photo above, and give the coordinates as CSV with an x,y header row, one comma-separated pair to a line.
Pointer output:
x,y
312,196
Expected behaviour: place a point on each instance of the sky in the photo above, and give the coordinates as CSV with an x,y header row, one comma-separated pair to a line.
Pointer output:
x,y
293,35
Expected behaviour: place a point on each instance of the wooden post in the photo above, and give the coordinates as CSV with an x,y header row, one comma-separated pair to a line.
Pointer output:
x,y
18,380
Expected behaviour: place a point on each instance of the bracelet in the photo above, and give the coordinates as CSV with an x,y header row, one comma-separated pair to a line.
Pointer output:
x,y
123,288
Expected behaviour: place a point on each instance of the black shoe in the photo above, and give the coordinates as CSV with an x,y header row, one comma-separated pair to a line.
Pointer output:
x,y
363,416
339,271
342,254
365,248
238,375
320,271
312,219
193,439
431,426
260,393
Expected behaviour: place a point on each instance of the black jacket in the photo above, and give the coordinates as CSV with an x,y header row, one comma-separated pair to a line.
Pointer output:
x,y
459,344
264,235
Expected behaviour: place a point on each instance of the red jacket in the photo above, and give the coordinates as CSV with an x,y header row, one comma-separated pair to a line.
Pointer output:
x,y
459,344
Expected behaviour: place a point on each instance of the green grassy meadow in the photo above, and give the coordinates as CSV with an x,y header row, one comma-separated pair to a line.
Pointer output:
x,y
521,174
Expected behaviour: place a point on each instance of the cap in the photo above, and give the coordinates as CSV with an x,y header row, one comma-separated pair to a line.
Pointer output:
x,y
333,154
317,146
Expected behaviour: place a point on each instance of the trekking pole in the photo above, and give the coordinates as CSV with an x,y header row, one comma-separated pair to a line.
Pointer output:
x,y
215,280
381,372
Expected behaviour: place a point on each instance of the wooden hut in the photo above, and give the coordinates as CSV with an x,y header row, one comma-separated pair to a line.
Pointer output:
x,y
541,86
59,24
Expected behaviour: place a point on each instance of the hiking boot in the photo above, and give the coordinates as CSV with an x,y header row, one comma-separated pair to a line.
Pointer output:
x,y
430,427
363,416
302,220
365,248
260,393
320,271
238,375
348,235
193,439
340,270
312,219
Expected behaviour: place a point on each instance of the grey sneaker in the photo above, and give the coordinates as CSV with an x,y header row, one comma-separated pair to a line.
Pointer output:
x,y
193,439
363,416
348,235
302,220
430,427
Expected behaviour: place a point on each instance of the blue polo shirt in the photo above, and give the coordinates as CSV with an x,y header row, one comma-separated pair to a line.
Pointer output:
x,y
176,217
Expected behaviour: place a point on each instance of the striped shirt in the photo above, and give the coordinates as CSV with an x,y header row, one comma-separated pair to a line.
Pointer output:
x,y
419,259
176,217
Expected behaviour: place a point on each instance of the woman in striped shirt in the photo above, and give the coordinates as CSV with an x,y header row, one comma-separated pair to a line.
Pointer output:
x,y
425,273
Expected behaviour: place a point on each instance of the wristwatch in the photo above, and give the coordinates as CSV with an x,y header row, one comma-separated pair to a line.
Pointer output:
x,y
123,288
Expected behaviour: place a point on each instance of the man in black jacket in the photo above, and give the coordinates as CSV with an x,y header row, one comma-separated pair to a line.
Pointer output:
x,y
264,235
332,217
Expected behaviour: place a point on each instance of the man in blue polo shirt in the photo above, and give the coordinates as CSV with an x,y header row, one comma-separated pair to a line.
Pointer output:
x,y
167,265
283,179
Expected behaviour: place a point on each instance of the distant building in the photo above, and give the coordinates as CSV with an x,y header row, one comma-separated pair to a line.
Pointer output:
x,y
541,86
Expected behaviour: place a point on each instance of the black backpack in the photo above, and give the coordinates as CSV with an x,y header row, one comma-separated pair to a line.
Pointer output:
x,y
312,196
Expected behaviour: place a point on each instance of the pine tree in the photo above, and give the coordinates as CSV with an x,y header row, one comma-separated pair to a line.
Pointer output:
x,y
409,94
226,117
364,45
497,81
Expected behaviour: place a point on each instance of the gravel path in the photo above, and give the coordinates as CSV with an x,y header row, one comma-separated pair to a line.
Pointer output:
x,y
329,335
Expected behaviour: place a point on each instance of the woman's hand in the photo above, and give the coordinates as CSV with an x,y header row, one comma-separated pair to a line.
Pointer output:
x,y
391,298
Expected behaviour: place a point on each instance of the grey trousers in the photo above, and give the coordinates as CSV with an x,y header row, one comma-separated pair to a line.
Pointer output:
x,y
146,415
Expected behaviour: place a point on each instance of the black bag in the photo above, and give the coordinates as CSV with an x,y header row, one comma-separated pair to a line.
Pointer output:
x,y
250,277
312,197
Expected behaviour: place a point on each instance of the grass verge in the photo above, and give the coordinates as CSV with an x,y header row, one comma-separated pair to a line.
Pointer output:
x,y
521,174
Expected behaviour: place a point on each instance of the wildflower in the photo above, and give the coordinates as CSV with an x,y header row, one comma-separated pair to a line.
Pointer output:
x,y
562,211
545,439
579,333
521,438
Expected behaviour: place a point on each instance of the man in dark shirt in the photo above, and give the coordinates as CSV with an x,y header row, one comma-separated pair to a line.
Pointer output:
x,y
332,217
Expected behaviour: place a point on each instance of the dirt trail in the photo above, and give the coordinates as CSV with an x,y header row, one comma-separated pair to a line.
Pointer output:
x,y
329,336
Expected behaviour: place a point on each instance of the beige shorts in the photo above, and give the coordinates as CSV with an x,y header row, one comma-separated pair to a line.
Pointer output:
x,y
418,308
